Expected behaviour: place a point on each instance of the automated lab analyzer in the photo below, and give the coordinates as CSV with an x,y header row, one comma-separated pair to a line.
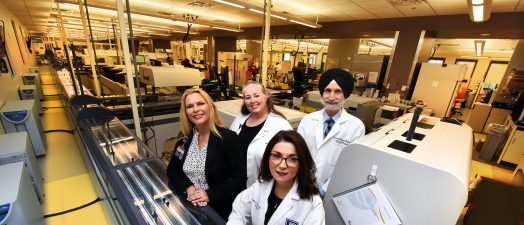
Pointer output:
x,y
30,92
425,179
22,115
170,76
230,109
18,202
16,147
33,79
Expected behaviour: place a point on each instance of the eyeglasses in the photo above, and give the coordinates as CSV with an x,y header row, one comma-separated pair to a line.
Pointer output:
x,y
277,159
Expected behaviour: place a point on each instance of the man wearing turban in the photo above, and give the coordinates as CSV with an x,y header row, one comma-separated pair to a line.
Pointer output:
x,y
329,130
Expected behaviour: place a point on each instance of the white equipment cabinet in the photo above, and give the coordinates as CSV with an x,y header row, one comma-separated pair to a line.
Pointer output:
x,y
229,110
16,147
33,79
513,150
30,92
18,202
21,115
176,76
427,186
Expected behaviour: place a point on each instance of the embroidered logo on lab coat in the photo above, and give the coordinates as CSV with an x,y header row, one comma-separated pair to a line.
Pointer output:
x,y
256,204
291,222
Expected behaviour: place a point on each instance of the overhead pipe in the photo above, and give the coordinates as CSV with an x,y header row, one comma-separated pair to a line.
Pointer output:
x,y
133,51
265,47
90,49
129,76
118,45
94,48
66,49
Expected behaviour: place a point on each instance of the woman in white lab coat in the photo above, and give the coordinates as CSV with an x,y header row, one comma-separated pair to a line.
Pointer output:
x,y
256,125
285,192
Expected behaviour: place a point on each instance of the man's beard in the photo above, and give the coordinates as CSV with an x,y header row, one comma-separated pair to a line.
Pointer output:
x,y
332,106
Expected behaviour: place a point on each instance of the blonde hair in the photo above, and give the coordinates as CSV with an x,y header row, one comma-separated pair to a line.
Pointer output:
x,y
269,100
214,118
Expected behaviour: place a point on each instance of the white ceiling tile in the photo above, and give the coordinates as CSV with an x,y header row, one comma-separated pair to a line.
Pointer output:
x,y
369,5
447,9
504,6
387,12
419,10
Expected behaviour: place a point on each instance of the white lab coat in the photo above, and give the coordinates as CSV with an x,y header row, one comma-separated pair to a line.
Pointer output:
x,y
274,123
250,207
325,151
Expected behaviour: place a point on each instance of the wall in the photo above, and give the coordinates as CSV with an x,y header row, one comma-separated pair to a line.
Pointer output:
x,y
339,50
8,85
480,69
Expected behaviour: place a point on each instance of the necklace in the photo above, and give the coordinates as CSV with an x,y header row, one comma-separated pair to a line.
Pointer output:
x,y
277,201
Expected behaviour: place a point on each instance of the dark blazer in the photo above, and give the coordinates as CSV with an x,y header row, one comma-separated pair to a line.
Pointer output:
x,y
225,170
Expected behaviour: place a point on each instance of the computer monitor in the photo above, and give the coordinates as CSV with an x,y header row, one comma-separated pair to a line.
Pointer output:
x,y
140,59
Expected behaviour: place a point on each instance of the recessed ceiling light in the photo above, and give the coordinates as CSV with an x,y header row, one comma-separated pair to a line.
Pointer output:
x,y
485,34
365,35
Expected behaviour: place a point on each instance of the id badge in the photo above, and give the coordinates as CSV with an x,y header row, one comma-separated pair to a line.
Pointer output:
x,y
179,153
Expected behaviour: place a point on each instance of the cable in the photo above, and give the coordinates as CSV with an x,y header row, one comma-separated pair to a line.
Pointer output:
x,y
59,130
186,38
73,209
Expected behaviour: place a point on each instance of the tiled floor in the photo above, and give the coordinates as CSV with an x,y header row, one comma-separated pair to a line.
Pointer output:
x,y
67,180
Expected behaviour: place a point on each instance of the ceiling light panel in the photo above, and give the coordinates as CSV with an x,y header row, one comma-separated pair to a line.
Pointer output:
x,y
231,4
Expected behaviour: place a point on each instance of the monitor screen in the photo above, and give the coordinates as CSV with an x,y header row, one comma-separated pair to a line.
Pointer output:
x,y
140,59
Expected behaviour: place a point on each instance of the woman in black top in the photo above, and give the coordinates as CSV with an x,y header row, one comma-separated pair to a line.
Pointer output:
x,y
208,165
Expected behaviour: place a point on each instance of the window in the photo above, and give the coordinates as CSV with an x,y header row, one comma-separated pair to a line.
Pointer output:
x,y
472,63
312,59
437,60
286,56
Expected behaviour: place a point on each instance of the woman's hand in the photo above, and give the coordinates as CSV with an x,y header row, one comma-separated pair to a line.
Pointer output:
x,y
190,190
198,197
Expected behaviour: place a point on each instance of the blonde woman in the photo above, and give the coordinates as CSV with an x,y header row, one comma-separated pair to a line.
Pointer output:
x,y
256,125
207,166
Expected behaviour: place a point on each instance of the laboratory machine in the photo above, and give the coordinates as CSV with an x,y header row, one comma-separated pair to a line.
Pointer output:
x,y
30,92
424,178
18,202
33,79
16,147
22,115
176,76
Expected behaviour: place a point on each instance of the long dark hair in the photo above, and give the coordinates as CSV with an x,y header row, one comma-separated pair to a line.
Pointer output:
x,y
306,171
269,100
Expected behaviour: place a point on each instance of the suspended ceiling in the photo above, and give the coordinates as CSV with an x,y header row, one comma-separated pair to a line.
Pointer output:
x,y
33,13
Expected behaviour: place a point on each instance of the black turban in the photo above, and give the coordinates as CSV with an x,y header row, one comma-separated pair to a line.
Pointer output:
x,y
343,78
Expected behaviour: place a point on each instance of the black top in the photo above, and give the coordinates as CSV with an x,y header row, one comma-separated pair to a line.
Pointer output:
x,y
247,134
225,170
272,205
